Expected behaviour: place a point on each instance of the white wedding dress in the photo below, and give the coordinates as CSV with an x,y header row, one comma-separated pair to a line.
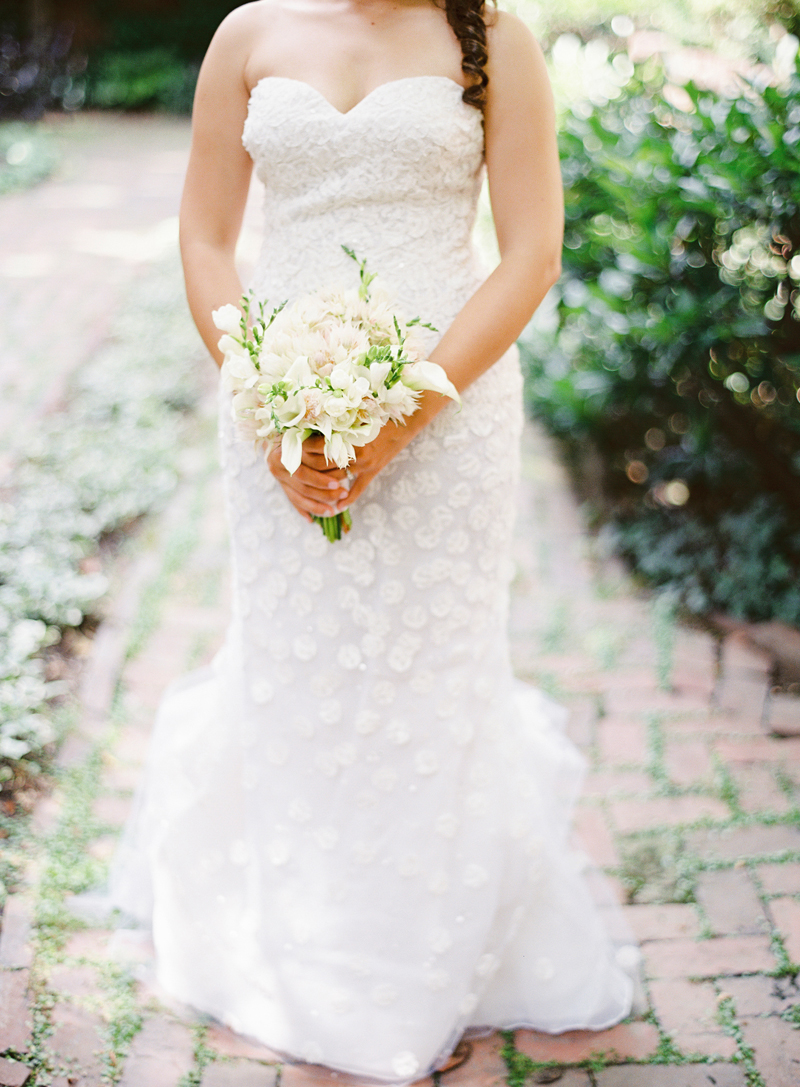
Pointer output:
x,y
353,839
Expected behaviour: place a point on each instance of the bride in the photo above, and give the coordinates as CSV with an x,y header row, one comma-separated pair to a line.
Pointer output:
x,y
352,843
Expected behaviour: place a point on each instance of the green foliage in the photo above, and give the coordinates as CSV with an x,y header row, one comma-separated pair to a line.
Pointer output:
x,y
88,471
181,26
148,55
673,344
155,78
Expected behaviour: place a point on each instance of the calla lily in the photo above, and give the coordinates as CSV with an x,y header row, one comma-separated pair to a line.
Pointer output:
x,y
429,375
292,449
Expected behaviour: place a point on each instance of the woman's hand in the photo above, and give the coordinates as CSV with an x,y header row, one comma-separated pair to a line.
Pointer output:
x,y
375,455
318,487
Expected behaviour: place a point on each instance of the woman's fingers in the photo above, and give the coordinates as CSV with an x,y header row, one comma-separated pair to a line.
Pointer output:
x,y
318,487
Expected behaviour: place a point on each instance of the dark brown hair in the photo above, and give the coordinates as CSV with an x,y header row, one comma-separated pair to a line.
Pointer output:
x,y
468,21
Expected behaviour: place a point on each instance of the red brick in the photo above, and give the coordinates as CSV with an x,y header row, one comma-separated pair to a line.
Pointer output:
x,y
315,1075
239,1073
739,655
632,815
743,696
73,981
687,1075
121,776
733,843
15,1019
624,699
708,958
712,1044
759,791
718,723
103,848
604,783
581,721
758,749
13,1073
688,1012
160,1054
783,714
776,1045
662,922
696,679
45,815
227,1044
88,944
485,1067
730,902
570,1077
77,1041
113,810
786,914
687,763
593,835
15,948
636,1041
621,742
759,995
779,879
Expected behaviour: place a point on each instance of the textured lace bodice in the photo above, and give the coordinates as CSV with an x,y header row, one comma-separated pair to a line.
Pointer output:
x,y
396,179
354,839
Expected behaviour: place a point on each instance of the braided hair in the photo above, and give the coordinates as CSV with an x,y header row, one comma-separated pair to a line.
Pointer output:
x,y
467,19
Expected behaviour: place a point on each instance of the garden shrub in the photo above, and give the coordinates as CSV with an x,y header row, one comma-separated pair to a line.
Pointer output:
x,y
153,79
672,345
148,55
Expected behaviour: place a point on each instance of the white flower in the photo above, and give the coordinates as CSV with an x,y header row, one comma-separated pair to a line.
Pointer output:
x,y
292,449
228,319
429,375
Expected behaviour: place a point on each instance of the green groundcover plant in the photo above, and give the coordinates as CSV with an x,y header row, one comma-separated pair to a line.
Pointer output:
x,y
672,346
86,473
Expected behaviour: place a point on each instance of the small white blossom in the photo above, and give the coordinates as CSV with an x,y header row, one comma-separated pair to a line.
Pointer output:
x,y
228,319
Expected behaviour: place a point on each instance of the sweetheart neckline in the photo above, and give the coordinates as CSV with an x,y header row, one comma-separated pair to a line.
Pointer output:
x,y
361,101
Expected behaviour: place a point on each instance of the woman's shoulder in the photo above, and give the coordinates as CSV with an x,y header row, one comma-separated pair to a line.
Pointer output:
x,y
515,56
508,38
241,31
245,20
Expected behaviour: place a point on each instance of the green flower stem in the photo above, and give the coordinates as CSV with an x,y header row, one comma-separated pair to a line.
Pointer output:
x,y
332,526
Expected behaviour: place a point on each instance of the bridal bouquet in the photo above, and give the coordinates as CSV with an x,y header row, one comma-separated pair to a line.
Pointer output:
x,y
336,363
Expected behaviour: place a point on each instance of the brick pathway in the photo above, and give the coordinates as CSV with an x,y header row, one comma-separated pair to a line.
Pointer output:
x,y
70,247
691,806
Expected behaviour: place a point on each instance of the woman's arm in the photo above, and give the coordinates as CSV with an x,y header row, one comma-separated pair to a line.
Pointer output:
x,y
214,197
217,179
527,205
